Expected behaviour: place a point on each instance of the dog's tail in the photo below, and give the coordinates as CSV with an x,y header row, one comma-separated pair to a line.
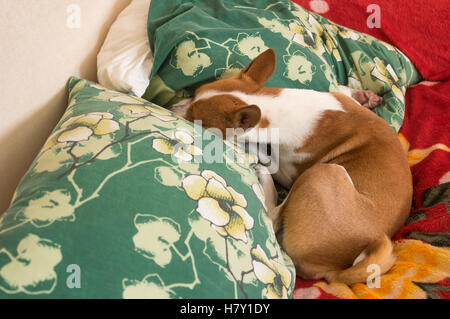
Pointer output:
x,y
378,253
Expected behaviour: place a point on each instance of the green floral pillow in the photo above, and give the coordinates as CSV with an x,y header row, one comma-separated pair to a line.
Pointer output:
x,y
120,202
199,41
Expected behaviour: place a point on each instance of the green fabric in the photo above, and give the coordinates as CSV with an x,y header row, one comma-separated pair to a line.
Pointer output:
x,y
111,199
199,41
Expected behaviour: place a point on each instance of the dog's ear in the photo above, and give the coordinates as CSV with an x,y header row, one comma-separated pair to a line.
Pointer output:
x,y
245,117
261,68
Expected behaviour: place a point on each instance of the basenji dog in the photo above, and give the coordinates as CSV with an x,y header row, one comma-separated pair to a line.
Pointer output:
x,y
349,179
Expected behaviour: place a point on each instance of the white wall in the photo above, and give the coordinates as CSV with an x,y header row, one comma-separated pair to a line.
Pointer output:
x,y
39,52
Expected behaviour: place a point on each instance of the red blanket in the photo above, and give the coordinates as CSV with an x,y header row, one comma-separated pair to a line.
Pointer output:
x,y
419,28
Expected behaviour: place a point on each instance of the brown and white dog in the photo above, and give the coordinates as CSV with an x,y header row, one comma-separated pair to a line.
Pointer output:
x,y
350,183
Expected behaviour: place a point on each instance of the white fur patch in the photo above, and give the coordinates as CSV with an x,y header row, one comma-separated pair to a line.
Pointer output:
x,y
294,112
360,258
346,173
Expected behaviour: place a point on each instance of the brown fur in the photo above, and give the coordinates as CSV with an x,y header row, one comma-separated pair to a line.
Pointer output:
x,y
327,220
264,123
335,231
230,112
249,80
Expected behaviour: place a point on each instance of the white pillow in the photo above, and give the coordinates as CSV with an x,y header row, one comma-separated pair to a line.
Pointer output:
x,y
125,62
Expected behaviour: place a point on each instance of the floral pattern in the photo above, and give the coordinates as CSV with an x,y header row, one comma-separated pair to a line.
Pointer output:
x,y
180,145
32,270
151,287
190,60
139,110
312,52
81,128
270,272
386,74
417,264
50,207
121,190
111,192
219,204
299,68
250,45
155,236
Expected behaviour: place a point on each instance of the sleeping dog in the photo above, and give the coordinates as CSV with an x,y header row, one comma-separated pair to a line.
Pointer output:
x,y
350,183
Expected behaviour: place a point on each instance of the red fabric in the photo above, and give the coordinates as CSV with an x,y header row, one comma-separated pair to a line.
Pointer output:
x,y
313,292
444,294
419,28
427,123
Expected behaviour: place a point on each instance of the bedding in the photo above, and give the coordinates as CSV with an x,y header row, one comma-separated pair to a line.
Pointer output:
x,y
124,62
418,28
123,202
217,39
423,244
194,42
105,175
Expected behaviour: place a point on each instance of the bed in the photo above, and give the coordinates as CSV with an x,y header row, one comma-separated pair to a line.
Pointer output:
x,y
148,228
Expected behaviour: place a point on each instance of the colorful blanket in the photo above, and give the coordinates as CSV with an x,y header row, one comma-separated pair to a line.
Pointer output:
x,y
194,42
422,246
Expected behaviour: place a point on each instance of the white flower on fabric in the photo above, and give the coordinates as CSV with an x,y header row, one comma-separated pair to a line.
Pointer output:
x,y
387,74
45,210
32,271
259,192
81,128
277,26
299,68
274,275
155,236
250,45
180,146
140,110
151,287
190,60
220,204
52,160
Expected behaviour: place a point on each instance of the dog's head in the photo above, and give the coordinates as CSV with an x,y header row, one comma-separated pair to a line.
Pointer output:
x,y
216,106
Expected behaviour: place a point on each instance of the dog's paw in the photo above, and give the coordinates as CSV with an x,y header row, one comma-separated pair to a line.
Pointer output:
x,y
367,99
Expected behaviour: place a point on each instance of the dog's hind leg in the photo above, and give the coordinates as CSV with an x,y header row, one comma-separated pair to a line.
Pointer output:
x,y
270,195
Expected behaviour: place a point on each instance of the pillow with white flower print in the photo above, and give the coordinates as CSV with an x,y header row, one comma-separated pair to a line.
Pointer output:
x,y
119,204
